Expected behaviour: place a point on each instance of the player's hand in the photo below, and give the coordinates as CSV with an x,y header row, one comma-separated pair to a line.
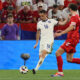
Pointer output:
x,y
58,31
35,45
57,34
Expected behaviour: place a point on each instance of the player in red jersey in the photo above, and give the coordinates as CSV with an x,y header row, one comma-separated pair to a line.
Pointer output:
x,y
71,41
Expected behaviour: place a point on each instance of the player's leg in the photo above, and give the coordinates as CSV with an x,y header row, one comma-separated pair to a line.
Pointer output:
x,y
41,59
71,59
59,52
45,49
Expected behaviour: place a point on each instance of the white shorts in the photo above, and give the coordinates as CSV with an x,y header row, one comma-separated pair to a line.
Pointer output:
x,y
45,46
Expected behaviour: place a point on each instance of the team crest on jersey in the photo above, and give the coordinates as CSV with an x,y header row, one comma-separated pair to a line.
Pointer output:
x,y
48,46
46,26
49,21
68,43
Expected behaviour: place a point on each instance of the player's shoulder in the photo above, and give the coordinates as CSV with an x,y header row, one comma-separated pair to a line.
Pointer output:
x,y
75,16
39,22
51,20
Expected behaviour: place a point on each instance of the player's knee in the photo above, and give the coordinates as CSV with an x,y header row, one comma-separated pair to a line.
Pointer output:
x,y
44,54
57,54
69,60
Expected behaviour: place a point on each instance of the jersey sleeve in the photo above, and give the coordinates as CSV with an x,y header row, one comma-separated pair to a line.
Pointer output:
x,y
55,22
73,21
38,26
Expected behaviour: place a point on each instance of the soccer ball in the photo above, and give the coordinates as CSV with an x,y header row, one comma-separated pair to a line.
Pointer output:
x,y
23,69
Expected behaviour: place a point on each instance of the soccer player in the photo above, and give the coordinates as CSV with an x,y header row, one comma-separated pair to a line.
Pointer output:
x,y
45,28
71,42
10,30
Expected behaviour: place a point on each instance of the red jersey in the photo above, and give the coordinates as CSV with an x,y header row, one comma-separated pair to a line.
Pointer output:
x,y
67,2
24,16
74,34
6,4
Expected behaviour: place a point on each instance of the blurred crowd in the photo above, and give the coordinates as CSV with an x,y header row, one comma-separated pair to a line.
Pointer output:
x,y
26,11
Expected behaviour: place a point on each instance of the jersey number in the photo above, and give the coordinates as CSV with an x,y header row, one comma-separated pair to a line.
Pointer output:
x,y
46,26
48,46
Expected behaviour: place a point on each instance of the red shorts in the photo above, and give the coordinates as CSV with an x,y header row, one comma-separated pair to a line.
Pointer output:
x,y
70,45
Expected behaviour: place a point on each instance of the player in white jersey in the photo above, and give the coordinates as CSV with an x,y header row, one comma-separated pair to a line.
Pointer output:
x,y
45,27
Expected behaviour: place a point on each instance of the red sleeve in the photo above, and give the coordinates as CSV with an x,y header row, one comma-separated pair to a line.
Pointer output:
x,y
73,20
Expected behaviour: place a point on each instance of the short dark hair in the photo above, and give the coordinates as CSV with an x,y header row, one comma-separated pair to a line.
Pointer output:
x,y
55,6
73,7
9,15
43,11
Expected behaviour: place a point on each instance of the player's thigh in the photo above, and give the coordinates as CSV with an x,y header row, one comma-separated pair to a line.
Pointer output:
x,y
59,52
70,57
44,53
45,49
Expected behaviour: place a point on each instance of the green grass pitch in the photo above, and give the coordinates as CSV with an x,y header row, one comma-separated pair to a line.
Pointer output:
x,y
41,75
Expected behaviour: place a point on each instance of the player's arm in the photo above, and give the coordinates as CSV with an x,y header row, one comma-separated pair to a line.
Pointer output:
x,y
65,21
37,38
68,29
71,27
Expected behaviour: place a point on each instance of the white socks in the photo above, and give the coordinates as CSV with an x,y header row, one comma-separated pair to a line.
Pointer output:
x,y
40,62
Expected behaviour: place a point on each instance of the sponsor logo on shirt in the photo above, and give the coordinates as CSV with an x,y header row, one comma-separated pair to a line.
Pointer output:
x,y
68,43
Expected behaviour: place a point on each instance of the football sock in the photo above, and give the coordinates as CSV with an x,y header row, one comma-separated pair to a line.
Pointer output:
x,y
76,60
60,63
39,63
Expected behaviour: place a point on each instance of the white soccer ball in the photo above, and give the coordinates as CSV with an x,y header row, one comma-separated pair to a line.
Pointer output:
x,y
23,69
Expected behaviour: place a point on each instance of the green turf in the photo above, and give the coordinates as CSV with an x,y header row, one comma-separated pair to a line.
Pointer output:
x,y
41,75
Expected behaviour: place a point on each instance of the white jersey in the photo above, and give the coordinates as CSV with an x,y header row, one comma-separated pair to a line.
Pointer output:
x,y
47,28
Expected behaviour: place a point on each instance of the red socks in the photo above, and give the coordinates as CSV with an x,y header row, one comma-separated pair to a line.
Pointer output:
x,y
76,60
60,63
